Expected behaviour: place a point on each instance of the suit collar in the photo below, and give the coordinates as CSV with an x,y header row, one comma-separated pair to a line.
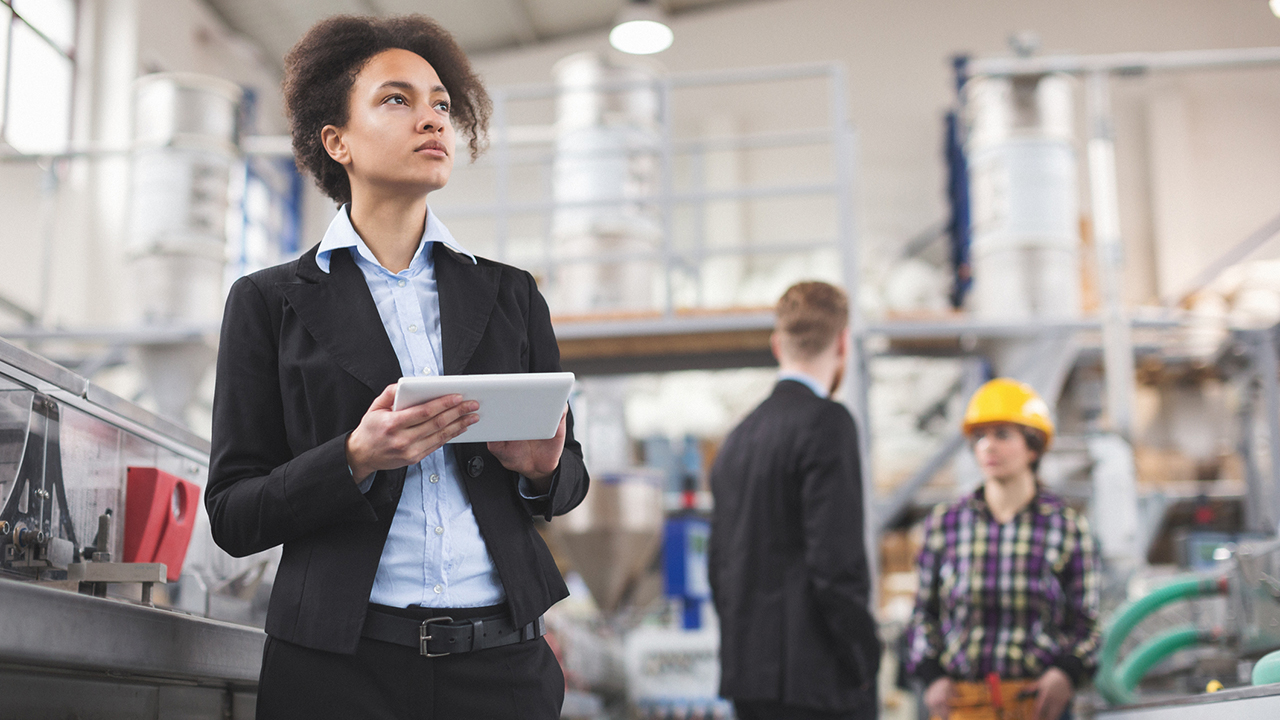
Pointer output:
x,y
338,310
467,293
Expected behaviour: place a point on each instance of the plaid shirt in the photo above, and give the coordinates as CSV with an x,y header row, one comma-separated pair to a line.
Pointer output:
x,y
1012,599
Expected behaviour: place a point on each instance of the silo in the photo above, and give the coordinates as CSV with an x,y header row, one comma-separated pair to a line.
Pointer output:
x,y
607,161
1025,198
185,132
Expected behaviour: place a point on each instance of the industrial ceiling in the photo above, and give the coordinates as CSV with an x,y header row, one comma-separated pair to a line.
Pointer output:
x,y
479,25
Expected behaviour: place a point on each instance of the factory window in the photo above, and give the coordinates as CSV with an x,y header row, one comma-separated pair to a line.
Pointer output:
x,y
37,65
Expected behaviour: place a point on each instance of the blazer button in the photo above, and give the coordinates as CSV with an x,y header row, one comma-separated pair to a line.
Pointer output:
x,y
475,466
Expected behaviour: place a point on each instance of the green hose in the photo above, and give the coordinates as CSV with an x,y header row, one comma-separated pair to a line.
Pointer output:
x,y
1149,654
1127,618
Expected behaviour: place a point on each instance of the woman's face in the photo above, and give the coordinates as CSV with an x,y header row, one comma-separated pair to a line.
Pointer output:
x,y
1001,451
398,139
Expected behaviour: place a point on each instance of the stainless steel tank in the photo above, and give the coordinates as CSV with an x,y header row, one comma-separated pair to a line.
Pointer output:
x,y
606,163
612,537
1025,195
184,154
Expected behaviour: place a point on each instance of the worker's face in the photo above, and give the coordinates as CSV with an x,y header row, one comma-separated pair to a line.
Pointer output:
x,y
398,139
1001,451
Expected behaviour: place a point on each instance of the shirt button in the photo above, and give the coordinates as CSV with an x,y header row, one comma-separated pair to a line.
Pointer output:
x,y
413,328
439,530
435,478
401,283
426,371
438,589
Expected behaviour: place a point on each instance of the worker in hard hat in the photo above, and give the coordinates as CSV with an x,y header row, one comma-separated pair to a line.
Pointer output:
x,y
1006,616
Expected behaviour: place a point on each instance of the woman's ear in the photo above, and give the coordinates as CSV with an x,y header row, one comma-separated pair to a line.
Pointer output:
x,y
331,138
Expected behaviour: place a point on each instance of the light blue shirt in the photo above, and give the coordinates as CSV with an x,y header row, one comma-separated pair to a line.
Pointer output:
x,y
806,381
434,555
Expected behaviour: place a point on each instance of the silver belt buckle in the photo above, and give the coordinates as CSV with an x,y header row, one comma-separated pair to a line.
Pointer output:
x,y
424,634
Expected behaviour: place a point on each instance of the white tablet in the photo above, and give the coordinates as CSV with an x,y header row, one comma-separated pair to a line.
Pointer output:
x,y
516,406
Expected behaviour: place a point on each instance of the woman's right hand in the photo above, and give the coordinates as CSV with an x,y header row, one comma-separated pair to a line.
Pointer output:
x,y
388,439
937,697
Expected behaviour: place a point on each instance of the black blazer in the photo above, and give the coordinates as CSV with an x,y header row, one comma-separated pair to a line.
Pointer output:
x,y
788,566
303,354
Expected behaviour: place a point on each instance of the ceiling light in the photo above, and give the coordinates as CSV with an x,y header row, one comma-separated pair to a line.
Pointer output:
x,y
641,29
1275,7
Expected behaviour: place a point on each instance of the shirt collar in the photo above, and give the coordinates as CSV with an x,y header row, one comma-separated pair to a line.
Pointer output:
x,y
805,380
342,234
1042,502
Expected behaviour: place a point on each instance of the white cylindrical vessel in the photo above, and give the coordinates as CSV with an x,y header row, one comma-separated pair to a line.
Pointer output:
x,y
184,154
607,152
1025,198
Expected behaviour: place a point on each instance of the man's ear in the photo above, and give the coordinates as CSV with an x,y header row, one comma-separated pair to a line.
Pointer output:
x,y
775,345
335,145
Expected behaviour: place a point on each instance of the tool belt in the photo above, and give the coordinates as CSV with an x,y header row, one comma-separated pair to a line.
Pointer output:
x,y
994,699
440,636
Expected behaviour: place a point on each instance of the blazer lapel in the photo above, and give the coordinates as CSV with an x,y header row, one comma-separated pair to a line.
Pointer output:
x,y
338,310
467,294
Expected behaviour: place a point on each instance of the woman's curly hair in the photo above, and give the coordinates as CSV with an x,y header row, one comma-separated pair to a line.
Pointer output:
x,y
322,67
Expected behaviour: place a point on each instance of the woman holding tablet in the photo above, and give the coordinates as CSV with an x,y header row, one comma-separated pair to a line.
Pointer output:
x,y
412,581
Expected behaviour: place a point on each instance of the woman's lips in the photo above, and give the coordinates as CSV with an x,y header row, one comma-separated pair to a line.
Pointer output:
x,y
434,149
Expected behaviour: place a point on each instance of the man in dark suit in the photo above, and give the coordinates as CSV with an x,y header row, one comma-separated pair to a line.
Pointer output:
x,y
412,581
788,565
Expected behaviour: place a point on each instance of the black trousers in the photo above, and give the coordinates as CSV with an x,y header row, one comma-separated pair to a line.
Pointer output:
x,y
774,710
383,681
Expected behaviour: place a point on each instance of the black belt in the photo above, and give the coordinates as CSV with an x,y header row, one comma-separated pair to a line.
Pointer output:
x,y
440,636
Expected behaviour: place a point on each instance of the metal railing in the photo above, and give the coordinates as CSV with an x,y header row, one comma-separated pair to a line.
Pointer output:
x,y
668,254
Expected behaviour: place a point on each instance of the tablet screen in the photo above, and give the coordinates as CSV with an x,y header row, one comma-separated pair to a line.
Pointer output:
x,y
515,406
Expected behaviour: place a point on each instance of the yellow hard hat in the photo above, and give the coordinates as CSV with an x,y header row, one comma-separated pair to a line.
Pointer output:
x,y
1006,400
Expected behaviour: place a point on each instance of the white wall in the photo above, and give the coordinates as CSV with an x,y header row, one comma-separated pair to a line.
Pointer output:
x,y
1196,193
118,40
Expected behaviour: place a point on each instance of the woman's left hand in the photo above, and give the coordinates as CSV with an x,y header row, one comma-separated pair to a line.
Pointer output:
x,y
534,459
1053,694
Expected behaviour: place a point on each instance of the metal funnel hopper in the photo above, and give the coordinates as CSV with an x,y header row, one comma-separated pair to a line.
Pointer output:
x,y
611,538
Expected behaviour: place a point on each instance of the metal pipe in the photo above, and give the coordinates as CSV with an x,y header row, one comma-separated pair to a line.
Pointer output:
x,y
500,150
936,330
698,180
1105,205
698,254
48,240
1238,252
538,156
12,307
890,508
1268,368
655,325
1129,62
668,194
1257,514
687,80
685,197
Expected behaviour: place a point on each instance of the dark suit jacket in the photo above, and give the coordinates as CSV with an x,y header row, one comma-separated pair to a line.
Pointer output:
x,y
788,566
303,355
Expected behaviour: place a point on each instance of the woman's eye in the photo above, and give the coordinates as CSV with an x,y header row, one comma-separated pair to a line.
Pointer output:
x,y
443,106
396,99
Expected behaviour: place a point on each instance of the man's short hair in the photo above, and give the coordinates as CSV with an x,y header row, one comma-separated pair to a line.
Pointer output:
x,y
320,70
810,316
